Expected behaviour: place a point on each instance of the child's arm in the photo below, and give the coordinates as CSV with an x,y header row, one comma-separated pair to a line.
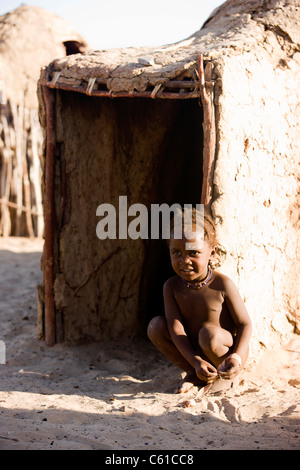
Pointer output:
x,y
231,366
203,369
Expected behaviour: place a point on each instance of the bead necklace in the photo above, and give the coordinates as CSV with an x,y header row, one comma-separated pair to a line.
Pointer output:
x,y
199,284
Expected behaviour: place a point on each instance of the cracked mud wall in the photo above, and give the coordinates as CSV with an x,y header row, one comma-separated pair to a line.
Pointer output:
x,y
106,149
256,187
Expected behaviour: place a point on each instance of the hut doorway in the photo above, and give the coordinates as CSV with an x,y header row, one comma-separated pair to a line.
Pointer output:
x,y
148,150
180,181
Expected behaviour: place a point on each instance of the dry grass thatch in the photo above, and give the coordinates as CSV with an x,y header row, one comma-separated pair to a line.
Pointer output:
x,y
232,29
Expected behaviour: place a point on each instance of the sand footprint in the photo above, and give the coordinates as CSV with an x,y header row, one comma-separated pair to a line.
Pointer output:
x,y
229,410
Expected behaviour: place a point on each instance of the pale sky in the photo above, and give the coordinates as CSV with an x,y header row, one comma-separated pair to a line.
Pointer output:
x,y
115,23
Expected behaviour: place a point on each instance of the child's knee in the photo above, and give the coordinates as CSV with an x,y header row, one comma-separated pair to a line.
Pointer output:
x,y
211,339
156,327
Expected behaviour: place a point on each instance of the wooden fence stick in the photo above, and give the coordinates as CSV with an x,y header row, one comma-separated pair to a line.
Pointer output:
x,y
5,221
49,319
27,193
35,172
18,116
14,205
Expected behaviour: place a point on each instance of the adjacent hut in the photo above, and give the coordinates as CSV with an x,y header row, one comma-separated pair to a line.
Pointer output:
x,y
211,119
29,38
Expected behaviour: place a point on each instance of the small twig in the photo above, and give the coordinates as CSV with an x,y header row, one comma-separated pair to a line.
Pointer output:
x,y
9,438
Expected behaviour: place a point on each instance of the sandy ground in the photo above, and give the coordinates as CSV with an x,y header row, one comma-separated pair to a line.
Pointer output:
x,y
120,397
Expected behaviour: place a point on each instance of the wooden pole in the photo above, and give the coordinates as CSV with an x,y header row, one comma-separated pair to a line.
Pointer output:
x,y
132,94
49,319
209,131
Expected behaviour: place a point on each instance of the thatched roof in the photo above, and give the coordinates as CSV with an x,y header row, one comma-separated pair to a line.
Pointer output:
x,y
233,28
30,37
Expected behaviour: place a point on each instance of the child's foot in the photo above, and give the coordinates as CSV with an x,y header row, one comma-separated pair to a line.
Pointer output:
x,y
189,381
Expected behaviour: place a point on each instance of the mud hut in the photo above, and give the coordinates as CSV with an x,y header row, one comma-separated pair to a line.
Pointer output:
x,y
30,38
211,119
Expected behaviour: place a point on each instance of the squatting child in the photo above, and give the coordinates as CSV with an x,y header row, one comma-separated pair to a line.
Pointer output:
x,y
206,328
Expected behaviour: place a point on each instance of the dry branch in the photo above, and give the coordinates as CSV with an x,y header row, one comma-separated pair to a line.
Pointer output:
x,y
209,132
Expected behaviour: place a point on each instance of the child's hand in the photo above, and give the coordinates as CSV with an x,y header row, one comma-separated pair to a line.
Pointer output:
x,y
206,371
230,367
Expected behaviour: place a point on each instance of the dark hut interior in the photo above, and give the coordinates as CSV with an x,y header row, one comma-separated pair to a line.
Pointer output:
x,y
152,154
